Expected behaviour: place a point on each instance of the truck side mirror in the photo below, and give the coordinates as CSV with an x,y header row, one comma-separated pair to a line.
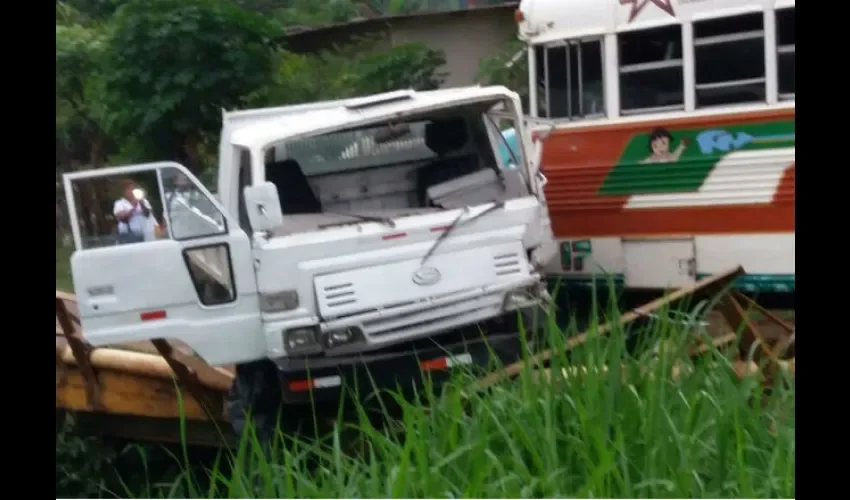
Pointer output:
x,y
263,206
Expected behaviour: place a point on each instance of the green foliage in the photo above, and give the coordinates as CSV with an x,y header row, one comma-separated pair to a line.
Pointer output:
x,y
172,65
411,65
261,6
153,75
312,12
80,110
78,49
508,67
82,463
92,10
356,69
605,421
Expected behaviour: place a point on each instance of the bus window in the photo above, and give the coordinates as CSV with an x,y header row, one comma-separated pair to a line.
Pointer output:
x,y
573,86
729,58
541,106
785,46
651,74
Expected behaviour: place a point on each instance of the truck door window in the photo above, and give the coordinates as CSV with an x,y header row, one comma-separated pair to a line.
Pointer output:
x,y
116,209
190,213
211,273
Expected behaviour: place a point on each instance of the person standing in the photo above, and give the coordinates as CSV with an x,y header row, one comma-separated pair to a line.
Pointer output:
x,y
136,221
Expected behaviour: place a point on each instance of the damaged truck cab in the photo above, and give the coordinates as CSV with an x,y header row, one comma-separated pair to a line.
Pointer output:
x,y
383,233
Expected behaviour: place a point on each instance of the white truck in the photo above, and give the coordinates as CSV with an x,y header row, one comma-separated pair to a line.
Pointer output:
x,y
380,233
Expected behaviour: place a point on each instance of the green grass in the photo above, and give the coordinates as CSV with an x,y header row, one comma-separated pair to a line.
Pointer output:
x,y
63,269
630,431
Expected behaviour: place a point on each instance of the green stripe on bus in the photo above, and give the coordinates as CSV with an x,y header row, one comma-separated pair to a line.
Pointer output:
x,y
747,283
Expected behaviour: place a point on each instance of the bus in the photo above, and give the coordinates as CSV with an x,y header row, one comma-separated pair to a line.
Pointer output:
x,y
668,138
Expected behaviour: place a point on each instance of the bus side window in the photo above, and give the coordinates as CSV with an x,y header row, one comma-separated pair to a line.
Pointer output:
x,y
785,48
651,74
729,59
573,84
541,106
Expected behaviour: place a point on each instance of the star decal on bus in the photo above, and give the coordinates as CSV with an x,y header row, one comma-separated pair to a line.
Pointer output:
x,y
638,5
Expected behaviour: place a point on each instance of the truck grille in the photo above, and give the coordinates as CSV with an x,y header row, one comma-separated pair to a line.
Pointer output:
x,y
507,264
339,295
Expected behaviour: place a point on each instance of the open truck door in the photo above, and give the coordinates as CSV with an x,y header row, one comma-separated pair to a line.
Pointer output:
x,y
191,278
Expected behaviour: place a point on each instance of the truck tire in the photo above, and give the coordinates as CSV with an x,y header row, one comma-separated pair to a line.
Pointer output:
x,y
255,395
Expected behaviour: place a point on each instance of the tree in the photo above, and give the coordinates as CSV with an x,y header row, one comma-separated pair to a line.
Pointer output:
x,y
410,65
508,67
94,10
81,137
172,65
356,69
313,12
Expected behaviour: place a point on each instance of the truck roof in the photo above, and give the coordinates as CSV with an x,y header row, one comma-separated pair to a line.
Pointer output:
x,y
260,127
550,20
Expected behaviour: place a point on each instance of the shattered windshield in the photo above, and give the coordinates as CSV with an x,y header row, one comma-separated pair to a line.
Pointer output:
x,y
327,153
191,214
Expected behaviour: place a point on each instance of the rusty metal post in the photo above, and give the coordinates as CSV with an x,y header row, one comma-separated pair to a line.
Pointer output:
x,y
82,351
185,376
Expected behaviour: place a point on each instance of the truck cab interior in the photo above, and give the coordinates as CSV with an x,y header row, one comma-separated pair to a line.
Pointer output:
x,y
368,171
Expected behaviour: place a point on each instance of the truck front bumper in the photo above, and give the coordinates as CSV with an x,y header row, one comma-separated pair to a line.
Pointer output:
x,y
322,379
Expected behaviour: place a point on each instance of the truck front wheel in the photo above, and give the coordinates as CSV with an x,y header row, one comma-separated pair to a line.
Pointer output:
x,y
254,400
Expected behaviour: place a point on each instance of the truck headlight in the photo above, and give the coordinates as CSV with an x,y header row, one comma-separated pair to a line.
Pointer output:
x,y
286,300
301,341
336,338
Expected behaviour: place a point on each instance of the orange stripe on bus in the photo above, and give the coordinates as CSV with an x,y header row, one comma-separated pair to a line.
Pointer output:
x,y
698,220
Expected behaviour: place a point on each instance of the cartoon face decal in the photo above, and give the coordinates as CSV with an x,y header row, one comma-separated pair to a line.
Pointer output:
x,y
660,141
660,145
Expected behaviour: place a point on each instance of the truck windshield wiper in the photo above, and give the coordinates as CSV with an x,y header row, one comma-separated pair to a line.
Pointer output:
x,y
445,234
367,218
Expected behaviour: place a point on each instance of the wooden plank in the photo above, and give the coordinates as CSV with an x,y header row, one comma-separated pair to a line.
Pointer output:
x,y
156,430
187,378
754,306
142,364
127,394
716,343
710,285
70,297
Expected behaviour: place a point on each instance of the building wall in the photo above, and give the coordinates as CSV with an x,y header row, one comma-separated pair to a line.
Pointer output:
x,y
465,38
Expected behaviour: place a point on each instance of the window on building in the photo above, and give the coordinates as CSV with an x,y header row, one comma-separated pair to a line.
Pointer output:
x,y
571,85
785,45
651,74
729,55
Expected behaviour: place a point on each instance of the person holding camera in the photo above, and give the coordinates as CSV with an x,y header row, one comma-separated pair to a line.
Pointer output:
x,y
136,222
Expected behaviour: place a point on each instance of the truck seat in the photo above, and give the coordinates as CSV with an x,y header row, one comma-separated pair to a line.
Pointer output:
x,y
444,137
296,195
